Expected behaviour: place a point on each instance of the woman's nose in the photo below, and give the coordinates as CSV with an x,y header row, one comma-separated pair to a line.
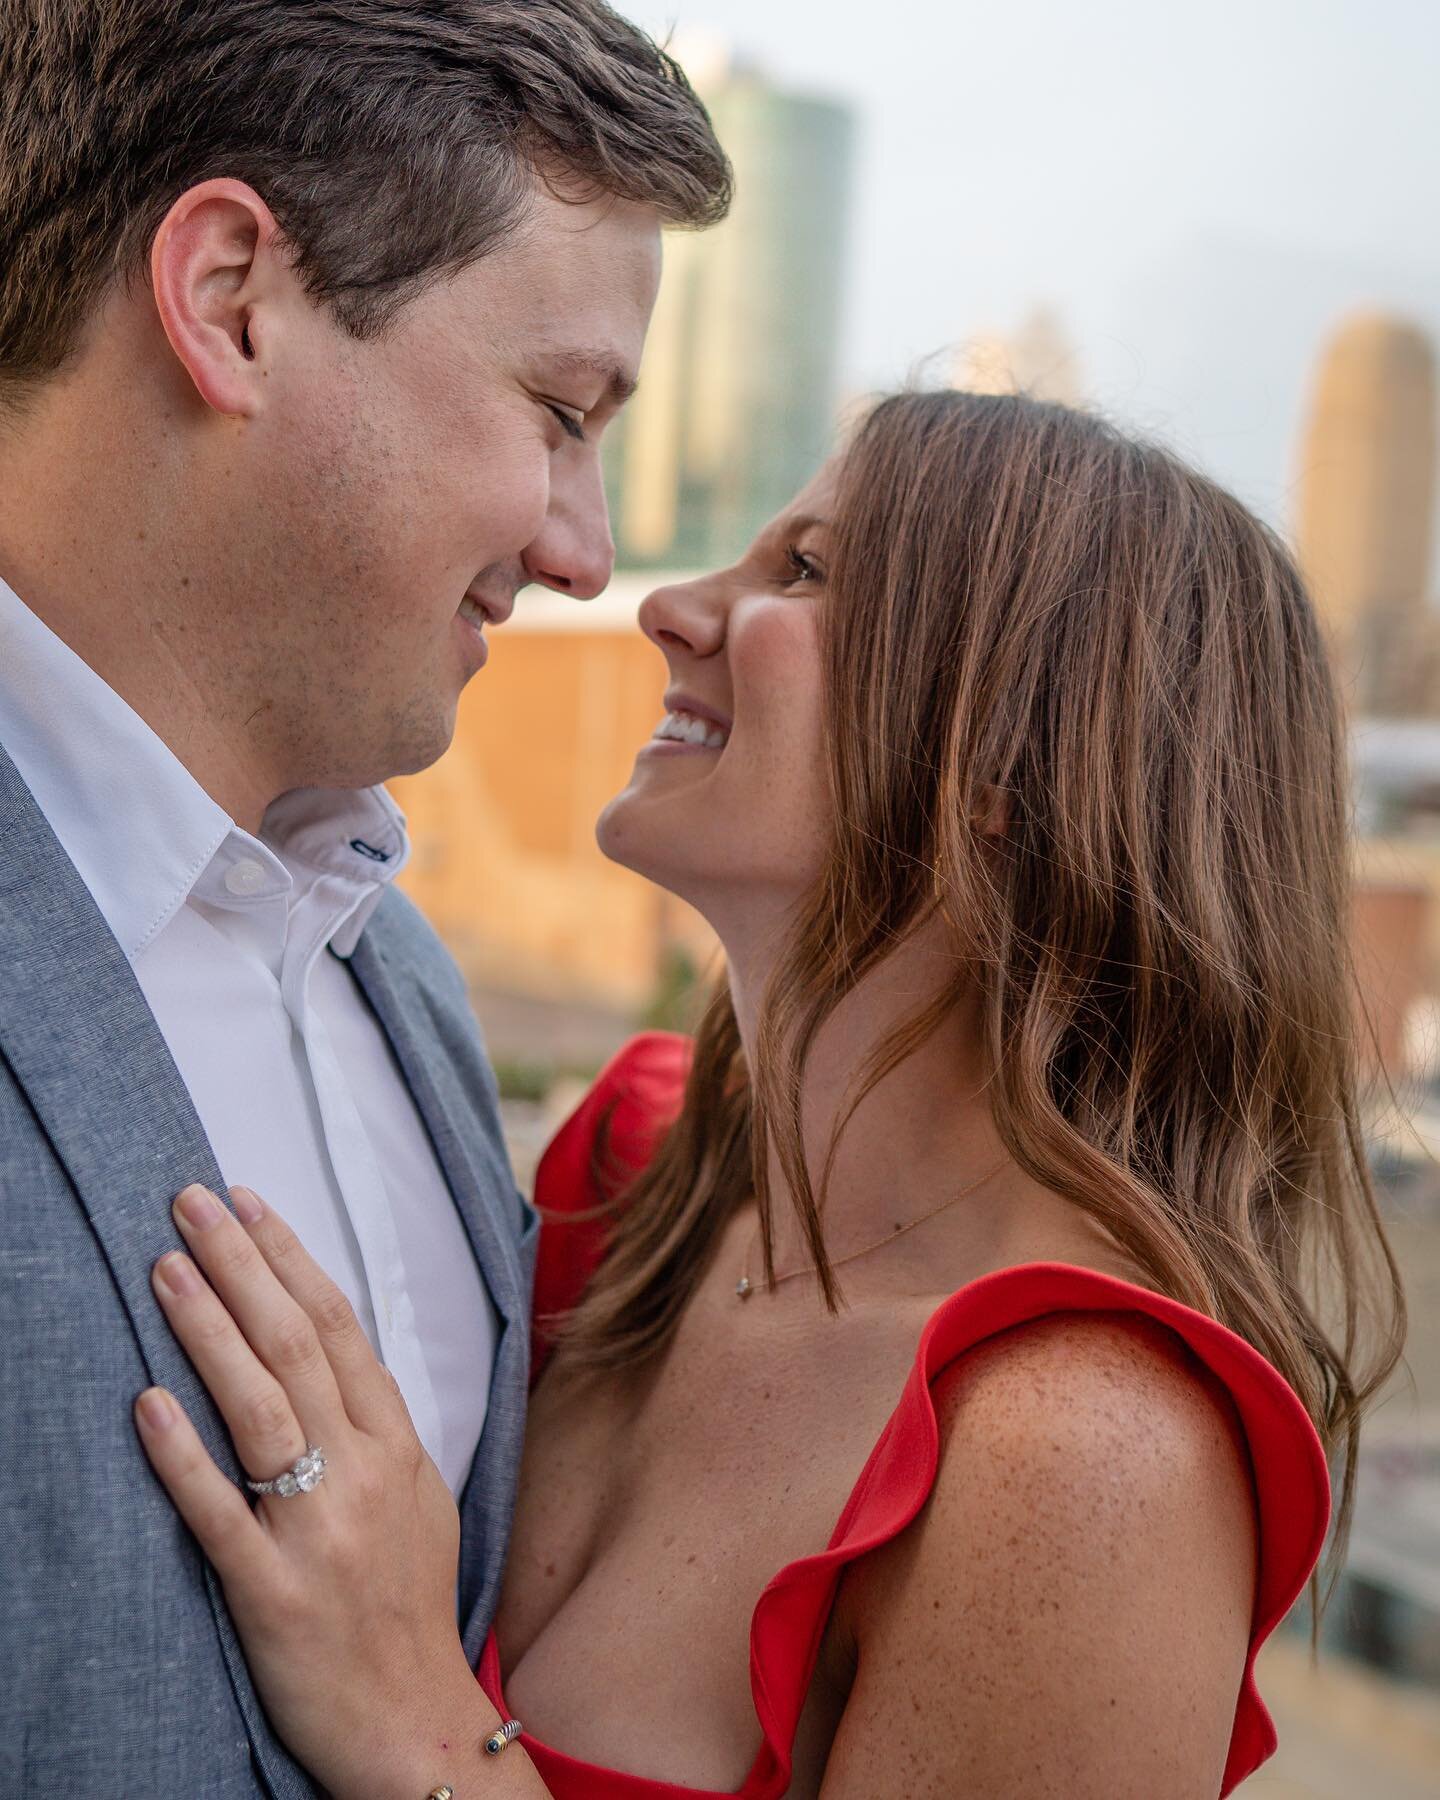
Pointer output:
x,y
689,615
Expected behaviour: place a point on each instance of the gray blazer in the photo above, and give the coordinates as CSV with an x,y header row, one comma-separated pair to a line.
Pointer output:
x,y
120,1674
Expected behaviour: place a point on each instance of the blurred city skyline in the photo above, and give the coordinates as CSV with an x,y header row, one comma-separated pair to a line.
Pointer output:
x,y
737,404
1196,199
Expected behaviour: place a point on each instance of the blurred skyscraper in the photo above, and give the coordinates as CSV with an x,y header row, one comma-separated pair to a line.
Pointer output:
x,y
736,407
1038,360
1365,512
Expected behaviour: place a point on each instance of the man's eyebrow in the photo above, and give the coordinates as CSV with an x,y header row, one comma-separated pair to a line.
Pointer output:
x,y
619,384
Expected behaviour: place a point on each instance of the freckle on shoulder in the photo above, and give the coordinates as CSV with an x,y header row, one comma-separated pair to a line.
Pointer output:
x,y
1087,1387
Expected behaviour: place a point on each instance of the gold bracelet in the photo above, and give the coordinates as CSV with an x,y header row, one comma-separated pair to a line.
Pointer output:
x,y
507,1733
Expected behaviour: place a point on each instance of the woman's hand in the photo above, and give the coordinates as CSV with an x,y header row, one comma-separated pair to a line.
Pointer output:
x,y
344,1597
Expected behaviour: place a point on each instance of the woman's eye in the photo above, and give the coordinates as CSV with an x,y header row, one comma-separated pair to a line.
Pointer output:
x,y
572,426
803,567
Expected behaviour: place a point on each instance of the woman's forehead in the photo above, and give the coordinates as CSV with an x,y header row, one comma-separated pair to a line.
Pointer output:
x,y
814,504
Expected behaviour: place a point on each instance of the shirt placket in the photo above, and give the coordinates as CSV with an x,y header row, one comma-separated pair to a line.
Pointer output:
x,y
362,1187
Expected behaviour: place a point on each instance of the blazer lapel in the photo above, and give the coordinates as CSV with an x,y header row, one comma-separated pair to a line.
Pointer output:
x,y
443,1077
475,1168
76,1031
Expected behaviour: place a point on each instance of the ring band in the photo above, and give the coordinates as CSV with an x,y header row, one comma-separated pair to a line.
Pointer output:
x,y
305,1473
509,1731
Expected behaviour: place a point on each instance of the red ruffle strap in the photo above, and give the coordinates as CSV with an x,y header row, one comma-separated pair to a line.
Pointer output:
x,y
1292,1491
604,1144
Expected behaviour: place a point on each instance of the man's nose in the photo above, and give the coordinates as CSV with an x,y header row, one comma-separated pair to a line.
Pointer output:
x,y
574,552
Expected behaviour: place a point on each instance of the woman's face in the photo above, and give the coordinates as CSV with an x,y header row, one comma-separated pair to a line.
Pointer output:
x,y
729,798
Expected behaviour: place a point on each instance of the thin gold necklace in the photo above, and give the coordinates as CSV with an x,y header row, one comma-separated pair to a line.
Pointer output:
x,y
744,1287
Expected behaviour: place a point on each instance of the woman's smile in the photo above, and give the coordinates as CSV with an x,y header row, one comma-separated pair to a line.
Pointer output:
x,y
689,724
686,731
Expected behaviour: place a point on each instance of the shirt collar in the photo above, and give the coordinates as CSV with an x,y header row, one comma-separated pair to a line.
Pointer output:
x,y
138,827
355,834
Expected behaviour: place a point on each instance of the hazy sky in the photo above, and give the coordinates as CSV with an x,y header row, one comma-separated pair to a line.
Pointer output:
x,y
1199,191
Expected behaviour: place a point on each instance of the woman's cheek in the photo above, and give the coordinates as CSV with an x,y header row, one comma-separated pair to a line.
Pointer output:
x,y
774,656
775,665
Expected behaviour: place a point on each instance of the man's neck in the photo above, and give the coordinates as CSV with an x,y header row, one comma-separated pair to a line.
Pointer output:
x,y
136,656
94,565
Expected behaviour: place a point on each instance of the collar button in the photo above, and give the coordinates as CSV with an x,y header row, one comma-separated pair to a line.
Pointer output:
x,y
246,878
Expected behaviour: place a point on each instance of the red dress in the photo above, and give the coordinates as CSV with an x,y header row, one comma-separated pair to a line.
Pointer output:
x,y
635,1098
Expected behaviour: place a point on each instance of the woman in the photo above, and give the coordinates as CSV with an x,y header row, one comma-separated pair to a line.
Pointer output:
x,y
1006,766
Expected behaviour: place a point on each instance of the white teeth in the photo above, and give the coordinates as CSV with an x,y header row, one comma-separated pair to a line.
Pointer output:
x,y
686,728
469,610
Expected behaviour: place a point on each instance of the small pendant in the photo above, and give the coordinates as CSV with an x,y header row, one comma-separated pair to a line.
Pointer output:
x,y
743,1289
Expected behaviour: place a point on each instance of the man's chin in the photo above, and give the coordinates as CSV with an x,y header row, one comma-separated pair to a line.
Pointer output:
x,y
422,752
407,742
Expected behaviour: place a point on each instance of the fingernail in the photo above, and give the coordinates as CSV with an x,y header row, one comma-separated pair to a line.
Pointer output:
x,y
248,1208
177,1273
199,1207
156,1409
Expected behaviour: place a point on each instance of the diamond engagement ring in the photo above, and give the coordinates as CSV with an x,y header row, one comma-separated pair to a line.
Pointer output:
x,y
306,1472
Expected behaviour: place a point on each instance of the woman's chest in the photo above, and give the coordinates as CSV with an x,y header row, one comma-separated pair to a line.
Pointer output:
x,y
651,1520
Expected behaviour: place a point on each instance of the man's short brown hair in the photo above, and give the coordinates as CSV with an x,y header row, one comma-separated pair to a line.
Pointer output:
x,y
395,141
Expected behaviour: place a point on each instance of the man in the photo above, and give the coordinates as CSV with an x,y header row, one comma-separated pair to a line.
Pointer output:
x,y
311,318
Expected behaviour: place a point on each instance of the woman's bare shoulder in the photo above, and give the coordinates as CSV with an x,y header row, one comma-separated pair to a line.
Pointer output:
x,y
1081,1575
1105,1417
1083,1383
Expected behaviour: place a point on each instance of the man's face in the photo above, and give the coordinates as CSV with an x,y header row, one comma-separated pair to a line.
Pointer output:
x,y
405,488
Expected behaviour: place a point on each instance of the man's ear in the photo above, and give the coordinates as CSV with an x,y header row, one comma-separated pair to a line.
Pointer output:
x,y
211,265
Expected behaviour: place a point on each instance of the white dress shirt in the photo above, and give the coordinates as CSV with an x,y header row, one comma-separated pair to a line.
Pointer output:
x,y
294,1081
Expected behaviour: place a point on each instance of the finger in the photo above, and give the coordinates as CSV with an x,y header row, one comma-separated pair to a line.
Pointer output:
x,y
211,1505
272,1324
368,1390
267,1433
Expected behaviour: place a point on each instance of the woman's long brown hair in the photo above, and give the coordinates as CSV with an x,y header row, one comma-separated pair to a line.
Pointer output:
x,y
1020,598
